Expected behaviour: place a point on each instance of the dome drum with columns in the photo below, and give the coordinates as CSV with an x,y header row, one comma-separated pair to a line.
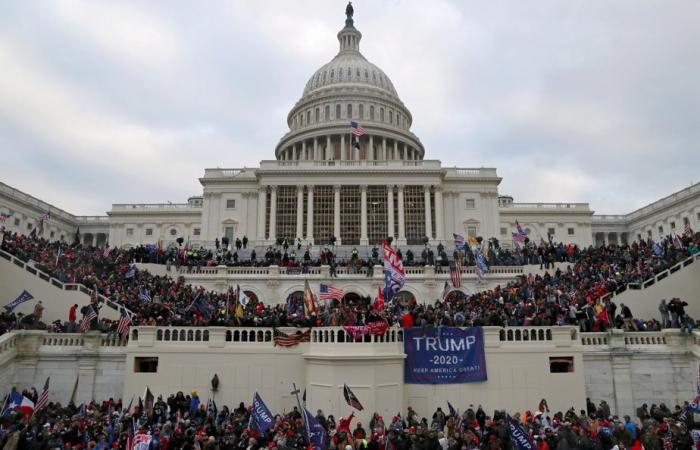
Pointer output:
x,y
349,88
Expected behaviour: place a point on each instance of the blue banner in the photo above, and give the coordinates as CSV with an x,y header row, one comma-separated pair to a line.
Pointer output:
x,y
519,439
262,419
318,439
444,355
23,297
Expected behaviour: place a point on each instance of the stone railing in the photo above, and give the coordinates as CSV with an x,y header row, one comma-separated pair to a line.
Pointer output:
x,y
153,206
415,272
652,281
559,206
638,340
61,285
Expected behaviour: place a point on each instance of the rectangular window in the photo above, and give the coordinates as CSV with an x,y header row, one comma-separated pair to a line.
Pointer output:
x,y
504,231
377,214
673,225
149,231
470,204
349,111
561,364
196,231
287,212
16,221
362,111
661,230
324,204
570,231
471,231
697,216
146,364
550,231
649,233
686,221
29,226
129,231
231,204
51,235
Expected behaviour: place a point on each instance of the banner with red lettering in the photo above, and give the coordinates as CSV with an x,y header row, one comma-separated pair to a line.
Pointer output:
x,y
374,328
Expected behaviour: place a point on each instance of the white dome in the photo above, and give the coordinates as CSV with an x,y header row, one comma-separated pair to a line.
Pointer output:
x,y
350,68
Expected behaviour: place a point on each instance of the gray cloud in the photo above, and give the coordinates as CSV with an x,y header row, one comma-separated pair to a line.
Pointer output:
x,y
104,102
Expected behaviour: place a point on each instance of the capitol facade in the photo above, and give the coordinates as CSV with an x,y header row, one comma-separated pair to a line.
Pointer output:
x,y
326,182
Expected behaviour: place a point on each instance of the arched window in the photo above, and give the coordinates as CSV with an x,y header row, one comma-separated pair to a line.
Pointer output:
x,y
317,115
371,112
391,116
324,76
366,75
308,117
327,113
349,72
349,110
301,119
362,111
381,114
358,72
332,73
337,111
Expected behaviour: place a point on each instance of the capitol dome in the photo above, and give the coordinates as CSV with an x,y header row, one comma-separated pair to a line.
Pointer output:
x,y
348,89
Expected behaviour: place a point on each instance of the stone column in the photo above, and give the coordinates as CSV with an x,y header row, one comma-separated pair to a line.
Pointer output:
x,y
396,150
363,213
402,222
342,148
439,225
428,218
390,210
273,213
94,239
316,158
370,150
262,197
300,211
384,149
336,213
310,214
329,155
304,156
405,151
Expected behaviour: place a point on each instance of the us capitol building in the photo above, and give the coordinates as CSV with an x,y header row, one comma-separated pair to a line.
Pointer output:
x,y
322,184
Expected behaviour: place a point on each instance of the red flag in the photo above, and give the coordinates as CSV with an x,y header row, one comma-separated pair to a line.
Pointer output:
x,y
378,304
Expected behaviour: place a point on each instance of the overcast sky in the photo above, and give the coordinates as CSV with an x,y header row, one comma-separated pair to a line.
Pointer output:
x,y
107,102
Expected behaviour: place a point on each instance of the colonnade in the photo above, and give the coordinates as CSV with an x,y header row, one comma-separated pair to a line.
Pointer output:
x,y
267,224
320,148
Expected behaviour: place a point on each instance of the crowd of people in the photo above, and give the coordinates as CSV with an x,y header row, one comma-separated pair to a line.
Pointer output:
x,y
187,422
573,296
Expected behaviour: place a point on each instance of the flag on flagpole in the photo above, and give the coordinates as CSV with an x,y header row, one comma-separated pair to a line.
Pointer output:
x,y
445,291
519,236
144,295
105,252
459,241
87,319
59,253
328,292
356,129
310,306
23,297
394,266
456,273
243,298
518,437
687,231
261,419
481,267
43,396
378,304
351,398
74,394
124,323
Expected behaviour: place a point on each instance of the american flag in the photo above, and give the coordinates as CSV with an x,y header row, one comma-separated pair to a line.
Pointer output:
x,y
45,216
394,267
519,235
290,340
357,130
328,292
124,324
445,291
43,397
456,273
459,241
687,232
141,442
144,295
87,319
105,252
668,440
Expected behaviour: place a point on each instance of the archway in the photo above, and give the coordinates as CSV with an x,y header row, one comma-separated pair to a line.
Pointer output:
x,y
404,298
456,295
294,303
354,299
252,296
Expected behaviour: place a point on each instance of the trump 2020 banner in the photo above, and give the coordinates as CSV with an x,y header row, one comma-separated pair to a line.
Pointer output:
x,y
444,356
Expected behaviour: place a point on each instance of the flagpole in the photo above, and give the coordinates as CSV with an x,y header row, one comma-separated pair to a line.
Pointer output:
x,y
302,411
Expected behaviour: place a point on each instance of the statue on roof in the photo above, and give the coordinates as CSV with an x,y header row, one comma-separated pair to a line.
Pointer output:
x,y
349,11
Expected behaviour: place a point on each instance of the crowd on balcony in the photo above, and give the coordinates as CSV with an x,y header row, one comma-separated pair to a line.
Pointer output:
x,y
571,296
187,422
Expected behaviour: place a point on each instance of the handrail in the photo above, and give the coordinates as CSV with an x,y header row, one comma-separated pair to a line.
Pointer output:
x,y
64,286
655,279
